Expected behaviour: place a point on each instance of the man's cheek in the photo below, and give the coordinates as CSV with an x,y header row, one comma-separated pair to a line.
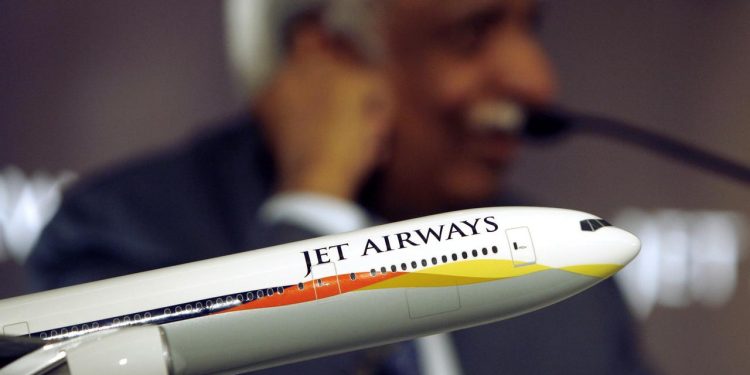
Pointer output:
x,y
456,83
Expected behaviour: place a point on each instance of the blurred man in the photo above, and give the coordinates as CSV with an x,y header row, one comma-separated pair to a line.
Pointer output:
x,y
406,111
428,110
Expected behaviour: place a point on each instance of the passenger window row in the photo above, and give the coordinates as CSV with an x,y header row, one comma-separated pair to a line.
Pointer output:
x,y
434,261
172,313
182,311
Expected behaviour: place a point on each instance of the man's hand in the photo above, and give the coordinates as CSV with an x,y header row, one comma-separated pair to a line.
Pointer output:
x,y
326,117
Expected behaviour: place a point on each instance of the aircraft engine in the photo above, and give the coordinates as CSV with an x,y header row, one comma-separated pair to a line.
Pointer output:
x,y
135,350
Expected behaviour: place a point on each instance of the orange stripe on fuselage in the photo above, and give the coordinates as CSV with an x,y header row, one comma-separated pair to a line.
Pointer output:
x,y
315,290
459,273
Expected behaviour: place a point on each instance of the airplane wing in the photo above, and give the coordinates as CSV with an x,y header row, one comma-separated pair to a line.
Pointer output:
x,y
21,355
108,351
12,348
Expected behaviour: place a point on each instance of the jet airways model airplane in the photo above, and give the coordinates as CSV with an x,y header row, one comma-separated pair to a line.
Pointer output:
x,y
318,297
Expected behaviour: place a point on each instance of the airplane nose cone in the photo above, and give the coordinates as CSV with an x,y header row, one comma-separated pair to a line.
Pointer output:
x,y
625,246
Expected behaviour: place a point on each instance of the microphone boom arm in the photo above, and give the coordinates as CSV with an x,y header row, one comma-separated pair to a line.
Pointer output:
x,y
553,124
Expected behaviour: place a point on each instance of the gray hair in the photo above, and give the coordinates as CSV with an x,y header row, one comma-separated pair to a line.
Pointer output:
x,y
255,33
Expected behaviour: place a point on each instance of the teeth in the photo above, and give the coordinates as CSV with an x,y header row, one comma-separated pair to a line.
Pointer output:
x,y
496,116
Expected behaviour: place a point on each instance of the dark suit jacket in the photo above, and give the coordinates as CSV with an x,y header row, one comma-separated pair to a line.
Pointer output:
x,y
201,200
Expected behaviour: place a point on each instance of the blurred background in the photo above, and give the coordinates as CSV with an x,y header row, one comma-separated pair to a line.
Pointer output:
x,y
85,84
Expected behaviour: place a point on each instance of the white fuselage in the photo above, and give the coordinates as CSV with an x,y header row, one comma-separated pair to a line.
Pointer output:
x,y
343,292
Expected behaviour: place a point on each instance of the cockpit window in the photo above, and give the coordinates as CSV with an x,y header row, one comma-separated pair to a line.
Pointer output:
x,y
595,224
591,225
585,226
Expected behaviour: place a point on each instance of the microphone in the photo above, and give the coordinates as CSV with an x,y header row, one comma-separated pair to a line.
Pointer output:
x,y
555,123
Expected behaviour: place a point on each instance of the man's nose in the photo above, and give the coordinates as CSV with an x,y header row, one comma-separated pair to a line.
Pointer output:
x,y
518,68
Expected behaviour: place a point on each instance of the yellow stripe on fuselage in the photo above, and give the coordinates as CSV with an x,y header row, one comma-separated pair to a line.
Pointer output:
x,y
481,270
594,270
